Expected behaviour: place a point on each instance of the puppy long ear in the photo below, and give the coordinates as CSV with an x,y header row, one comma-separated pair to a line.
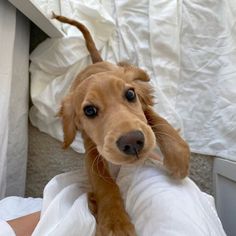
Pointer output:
x,y
67,114
175,150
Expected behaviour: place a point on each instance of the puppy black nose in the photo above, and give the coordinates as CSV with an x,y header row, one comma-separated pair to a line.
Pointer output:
x,y
131,143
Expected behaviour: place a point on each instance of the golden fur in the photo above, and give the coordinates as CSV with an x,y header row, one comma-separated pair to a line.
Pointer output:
x,y
103,85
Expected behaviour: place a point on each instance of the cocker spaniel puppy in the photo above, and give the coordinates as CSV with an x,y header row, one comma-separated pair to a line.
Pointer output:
x,y
111,105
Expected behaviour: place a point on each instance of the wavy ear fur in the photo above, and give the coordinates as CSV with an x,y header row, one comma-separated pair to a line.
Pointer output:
x,y
175,150
68,120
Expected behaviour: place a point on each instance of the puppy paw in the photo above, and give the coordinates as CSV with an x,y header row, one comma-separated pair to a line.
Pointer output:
x,y
178,171
178,165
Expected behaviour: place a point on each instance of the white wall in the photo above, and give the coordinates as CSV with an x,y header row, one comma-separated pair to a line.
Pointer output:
x,y
14,59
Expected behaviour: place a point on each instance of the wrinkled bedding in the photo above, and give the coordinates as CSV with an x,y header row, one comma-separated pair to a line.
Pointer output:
x,y
187,47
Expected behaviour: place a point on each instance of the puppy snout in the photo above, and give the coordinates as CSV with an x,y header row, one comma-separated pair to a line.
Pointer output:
x,y
131,143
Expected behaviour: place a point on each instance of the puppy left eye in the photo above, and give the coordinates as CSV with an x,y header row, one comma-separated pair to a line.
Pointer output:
x,y
130,95
90,111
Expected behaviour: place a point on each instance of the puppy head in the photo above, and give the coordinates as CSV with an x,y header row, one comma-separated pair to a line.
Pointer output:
x,y
108,106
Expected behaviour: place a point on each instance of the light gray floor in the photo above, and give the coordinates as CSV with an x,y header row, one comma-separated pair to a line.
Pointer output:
x,y
46,159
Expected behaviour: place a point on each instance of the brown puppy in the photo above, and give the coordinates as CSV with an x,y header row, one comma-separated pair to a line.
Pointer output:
x,y
111,105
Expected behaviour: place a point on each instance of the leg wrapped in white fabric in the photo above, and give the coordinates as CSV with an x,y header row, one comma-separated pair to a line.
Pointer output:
x,y
157,205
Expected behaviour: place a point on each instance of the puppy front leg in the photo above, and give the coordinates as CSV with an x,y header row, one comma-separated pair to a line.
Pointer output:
x,y
175,150
110,214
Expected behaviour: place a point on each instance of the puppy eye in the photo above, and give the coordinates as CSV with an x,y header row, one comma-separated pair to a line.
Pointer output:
x,y
130,95
90,111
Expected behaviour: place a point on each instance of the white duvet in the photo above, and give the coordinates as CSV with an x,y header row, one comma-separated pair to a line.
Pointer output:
x,y
157,205
188,47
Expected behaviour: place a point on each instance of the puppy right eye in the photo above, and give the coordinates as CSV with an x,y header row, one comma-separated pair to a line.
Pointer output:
x,y
90,111
130,95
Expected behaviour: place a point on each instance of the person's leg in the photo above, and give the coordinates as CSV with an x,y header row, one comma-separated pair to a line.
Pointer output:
x,y
25,225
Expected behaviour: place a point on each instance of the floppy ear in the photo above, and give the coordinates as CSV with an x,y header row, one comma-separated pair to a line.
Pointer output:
x,y
68,120
175,150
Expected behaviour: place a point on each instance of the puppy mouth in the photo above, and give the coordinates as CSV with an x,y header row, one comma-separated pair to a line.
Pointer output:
x,y
119,158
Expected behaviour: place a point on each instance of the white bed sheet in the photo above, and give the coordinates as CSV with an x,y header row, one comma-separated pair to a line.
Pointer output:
x,y
206,94
187,47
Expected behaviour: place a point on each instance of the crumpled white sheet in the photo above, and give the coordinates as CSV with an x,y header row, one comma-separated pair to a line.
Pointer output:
x,y
14,207
157,205
206,97
187,47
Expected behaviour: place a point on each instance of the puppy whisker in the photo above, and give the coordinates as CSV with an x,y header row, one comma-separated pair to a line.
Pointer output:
x,y
98,173
91,150
136,153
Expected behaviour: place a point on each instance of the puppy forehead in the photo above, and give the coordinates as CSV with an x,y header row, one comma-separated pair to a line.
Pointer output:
x,y
106,85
